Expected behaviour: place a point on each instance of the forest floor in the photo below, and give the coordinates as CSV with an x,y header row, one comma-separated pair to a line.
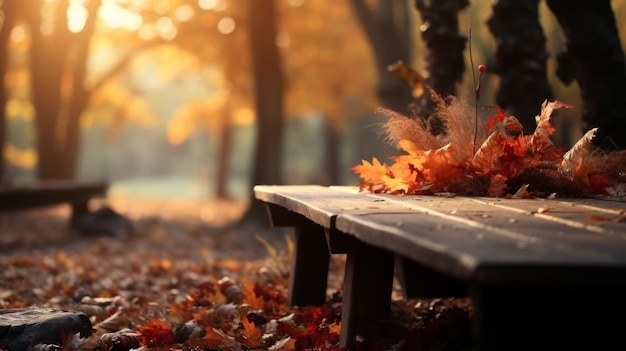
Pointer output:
x,y
190,278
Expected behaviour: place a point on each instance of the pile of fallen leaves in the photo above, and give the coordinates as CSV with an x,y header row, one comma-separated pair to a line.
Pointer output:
x,y
491,157
188,285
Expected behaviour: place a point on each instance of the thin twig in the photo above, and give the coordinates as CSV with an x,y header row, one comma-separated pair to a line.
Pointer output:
x,y
474,83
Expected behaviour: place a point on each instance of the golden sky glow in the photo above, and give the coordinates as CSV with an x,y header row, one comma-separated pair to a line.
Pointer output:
x,y
214,5
115,16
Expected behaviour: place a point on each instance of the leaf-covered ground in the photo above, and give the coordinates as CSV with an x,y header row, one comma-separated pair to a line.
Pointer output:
x,y
187,279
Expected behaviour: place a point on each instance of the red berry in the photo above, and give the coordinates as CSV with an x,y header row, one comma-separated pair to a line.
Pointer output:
x,y
482,68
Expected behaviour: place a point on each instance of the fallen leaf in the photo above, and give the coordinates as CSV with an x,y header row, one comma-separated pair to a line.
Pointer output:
x,y
156,333
596,218
252,336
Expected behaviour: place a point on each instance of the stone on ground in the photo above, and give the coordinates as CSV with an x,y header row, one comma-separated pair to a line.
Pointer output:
x,y
24,327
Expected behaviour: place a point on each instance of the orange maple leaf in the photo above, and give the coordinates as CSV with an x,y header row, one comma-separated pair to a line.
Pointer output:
x,y
395,185
252,299
439,166
402,170
371,172
252,336
410,147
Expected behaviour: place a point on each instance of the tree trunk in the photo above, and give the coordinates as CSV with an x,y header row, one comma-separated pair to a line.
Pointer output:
x,y
223,158
440,30
595,59
5,32
58,113
387,30
520,59
268,89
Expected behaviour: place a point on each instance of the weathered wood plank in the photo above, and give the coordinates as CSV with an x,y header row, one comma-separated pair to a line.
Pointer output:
x,y
565,215
487,253
530,220
460,234
322,204
590,216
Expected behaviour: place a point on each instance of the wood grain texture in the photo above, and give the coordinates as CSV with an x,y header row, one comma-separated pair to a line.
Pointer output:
x,y
486,239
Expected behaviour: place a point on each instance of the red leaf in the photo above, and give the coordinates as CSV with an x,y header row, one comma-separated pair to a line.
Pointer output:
x,y
596,218
500,116
322,338
513,156
156,333
598,182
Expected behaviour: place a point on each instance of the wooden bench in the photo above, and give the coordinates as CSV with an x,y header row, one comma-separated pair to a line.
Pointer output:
x,y
542,274
26,195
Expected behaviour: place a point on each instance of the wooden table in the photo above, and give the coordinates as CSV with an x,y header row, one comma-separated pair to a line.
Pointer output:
x,y
542,274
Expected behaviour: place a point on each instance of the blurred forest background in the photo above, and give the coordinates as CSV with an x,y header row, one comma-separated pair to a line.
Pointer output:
x,y
157,96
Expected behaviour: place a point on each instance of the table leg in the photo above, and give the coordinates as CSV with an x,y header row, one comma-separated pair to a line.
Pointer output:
x,y
309,268
367,290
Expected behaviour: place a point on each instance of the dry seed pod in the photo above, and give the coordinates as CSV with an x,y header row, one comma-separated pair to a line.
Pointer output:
x,y
121,340
231,290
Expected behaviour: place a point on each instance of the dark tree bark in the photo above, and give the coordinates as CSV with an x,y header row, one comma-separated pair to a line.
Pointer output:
x,y
268,89
520,59
595,59
9,11
444,56
387,30
445,45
